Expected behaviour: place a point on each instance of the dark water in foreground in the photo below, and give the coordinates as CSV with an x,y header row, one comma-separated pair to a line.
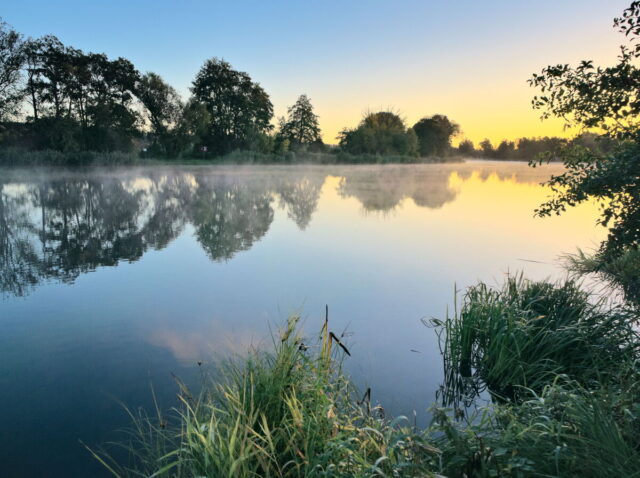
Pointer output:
x,y
112,279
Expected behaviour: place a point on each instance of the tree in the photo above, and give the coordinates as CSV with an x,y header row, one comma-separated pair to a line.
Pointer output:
x,y
434,135
487,148
238,107
606,101
79,100
301,127
505,150
466,148
11,62
163,108
381,133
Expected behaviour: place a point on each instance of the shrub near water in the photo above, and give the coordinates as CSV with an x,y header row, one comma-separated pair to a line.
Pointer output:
x,y
564,373
525,334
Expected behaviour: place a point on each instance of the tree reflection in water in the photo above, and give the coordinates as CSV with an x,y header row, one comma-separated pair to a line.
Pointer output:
x,y
57,226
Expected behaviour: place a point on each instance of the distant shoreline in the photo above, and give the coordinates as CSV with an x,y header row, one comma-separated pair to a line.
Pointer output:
x,y
49,158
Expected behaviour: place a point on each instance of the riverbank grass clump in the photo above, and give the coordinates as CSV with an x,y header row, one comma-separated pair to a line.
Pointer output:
x,y
562,369
288,412
515,340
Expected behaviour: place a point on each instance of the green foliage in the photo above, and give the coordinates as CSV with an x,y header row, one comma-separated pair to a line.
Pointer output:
x,y
381,133
434,135
300,129
292,413
78,101
621,270
238,107
515,340
612,180
563,372
563,431
11,62
606,100
285,413
164,110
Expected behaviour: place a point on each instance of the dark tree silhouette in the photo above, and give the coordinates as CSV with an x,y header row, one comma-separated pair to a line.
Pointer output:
x,y
434,135
238,108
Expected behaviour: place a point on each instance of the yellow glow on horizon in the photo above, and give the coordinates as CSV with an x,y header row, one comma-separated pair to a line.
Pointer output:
x,y
489,100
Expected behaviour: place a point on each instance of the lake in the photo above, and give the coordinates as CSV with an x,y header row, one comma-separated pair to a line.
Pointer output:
x,y
115,280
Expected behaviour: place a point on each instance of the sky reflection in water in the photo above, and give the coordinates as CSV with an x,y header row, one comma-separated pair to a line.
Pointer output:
x,y
208,258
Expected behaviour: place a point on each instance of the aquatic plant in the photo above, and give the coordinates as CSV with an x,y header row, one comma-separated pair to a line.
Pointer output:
x,y
288,412
515,340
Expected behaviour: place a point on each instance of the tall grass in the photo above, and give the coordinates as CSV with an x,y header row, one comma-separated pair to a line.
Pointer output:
x,y
563,371
517,339
622,270
565,431
289,412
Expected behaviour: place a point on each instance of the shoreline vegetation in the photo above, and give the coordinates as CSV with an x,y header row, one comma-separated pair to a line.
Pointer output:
x,y
560,366
16,157
562,369
61,105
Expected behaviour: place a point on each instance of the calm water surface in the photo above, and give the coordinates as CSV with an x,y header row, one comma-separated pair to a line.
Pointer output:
x,y
115,279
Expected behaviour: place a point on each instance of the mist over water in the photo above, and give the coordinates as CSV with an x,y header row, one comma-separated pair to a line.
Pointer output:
x,y
112,279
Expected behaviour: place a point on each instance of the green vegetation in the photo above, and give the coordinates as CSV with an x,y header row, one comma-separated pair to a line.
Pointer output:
x,y
563,373
385,133
620,271
285,413
434,135
604,100
380,133
528,149
54,97
516,340
300,130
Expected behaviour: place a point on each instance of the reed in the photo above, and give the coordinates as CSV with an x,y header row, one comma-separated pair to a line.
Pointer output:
x,y
289,412
517,339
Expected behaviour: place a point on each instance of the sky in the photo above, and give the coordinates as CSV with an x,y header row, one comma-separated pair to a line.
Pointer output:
x,y
469,60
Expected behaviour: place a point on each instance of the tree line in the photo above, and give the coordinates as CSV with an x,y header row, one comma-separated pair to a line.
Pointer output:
x,y
57,97
527,149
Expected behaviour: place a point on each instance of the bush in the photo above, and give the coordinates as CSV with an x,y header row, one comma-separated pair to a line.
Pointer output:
x,y
518,339
48,157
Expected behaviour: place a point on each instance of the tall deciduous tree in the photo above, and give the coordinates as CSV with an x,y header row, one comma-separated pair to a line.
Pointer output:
x,y
238,107
434,135
301,125
11,62
163,107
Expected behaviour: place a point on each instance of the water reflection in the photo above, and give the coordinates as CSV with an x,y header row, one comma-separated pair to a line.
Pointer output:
x,y
61,225
209,258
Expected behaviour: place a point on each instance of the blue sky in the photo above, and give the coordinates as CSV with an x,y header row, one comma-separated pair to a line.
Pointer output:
x,y
467,59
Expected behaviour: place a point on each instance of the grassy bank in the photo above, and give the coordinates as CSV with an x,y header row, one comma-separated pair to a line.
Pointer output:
x,y
562,370
18,157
